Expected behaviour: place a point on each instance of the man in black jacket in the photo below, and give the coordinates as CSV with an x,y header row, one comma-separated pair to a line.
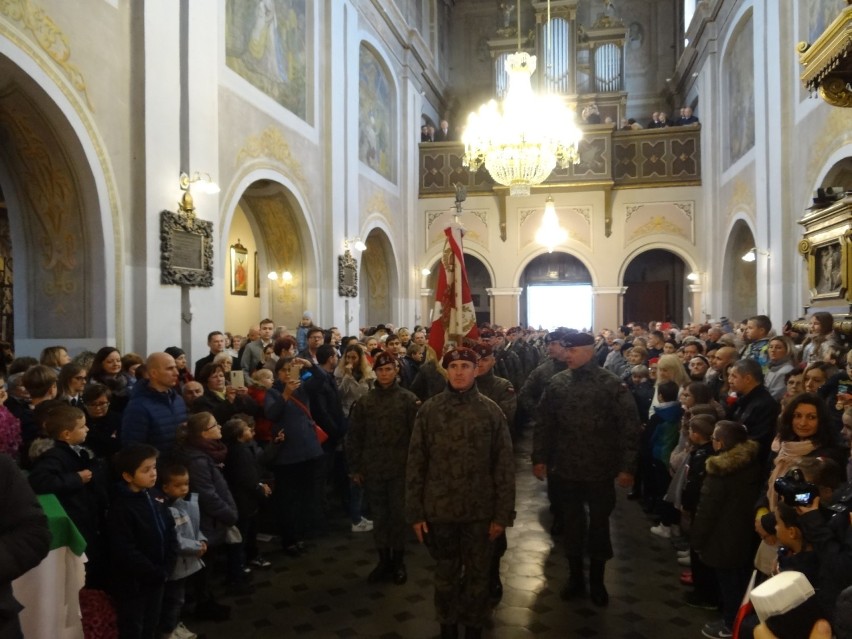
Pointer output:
x,y
755,407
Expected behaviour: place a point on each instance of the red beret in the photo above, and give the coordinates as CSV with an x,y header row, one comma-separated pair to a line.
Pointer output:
x,y
483,350
466,354
486,332
383,359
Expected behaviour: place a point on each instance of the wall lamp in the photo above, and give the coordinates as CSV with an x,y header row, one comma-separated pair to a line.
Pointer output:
x,y
693,277
752,254
425,272
204,183
286,277
355,243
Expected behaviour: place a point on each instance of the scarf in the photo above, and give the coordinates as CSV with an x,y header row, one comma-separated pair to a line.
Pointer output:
x,y
789,454
213,448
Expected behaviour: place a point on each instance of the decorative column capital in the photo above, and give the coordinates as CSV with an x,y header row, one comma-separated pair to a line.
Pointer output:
x,y
494,292
609,290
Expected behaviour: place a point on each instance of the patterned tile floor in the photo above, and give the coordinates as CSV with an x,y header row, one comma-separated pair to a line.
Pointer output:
x,y
324,594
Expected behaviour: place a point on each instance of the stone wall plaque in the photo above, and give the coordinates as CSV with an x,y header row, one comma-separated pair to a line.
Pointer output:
x,y
186,250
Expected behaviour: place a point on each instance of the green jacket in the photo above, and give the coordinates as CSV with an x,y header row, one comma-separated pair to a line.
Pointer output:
x,y
501,392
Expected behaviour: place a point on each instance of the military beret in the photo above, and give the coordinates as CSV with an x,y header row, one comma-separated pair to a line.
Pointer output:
x,y
483,350
383,359
486,332
466,354
513,330
577,339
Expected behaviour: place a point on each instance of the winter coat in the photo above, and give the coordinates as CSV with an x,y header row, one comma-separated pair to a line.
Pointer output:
x,y
300,443
723,528
142,542
243,477
24,538
759,411
218,509
187,517
221,408
665,425
152,417
696,471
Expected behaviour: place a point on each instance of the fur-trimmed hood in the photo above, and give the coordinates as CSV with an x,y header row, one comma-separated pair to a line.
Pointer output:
x,y
730,461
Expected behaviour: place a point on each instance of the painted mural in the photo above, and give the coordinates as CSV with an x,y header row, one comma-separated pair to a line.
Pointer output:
x,y
265,43
739,79
375,114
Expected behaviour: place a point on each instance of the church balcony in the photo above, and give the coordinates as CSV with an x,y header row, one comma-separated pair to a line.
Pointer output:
x,y
613,159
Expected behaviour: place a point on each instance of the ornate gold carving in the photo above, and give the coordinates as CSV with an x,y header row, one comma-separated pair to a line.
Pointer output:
x,y
50,194
802,46
49,37
270,143
804,247
835,91
658,224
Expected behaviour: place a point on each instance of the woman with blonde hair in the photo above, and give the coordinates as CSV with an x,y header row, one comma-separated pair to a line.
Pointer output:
x,y
431,379
669,369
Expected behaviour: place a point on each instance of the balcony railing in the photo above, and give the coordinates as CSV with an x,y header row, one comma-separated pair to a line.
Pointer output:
x,y
615,159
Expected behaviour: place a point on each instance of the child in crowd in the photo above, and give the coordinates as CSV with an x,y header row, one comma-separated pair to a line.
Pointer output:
x,y
665,427
243,477
261,381
706,588
70,472
794,381
191,546
40,382
305,324
640,386
142,543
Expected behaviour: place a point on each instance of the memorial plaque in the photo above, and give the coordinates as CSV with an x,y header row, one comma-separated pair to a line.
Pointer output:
x,y
186,250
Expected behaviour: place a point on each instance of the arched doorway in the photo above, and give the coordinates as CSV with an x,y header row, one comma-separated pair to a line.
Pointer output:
x,y
656,288
479,281
739,293
269,226
556,290
377,281
53,226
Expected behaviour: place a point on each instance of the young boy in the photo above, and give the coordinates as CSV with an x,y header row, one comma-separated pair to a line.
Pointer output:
x,y
192,544
71,473
142,543
664,426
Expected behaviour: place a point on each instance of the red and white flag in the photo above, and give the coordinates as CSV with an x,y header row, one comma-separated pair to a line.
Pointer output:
x,y
455,317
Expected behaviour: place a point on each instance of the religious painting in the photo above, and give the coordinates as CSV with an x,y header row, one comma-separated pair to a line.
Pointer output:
x,y
266,44
739,86
256,275
376,108
239,269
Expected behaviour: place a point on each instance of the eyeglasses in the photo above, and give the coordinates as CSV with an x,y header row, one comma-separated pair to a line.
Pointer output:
x,y
215,425
98,405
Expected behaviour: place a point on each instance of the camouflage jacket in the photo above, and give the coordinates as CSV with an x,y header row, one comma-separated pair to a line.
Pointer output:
x,y
509,366
501,392
533,388
380,427
460,462
587,427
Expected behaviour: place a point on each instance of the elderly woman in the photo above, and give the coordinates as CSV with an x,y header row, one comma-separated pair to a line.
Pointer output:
x,y
220,399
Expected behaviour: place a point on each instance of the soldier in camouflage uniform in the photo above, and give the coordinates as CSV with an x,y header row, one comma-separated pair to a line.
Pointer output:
x,y
460,492
502,393
586,435
377,451
508,363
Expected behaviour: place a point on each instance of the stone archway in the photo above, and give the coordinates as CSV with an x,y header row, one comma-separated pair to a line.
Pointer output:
x,y
377,280
656,288
556,268
268,222
64,258
739,277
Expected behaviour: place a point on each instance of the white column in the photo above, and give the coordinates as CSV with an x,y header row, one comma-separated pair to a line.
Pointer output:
x,y
505,305
608,307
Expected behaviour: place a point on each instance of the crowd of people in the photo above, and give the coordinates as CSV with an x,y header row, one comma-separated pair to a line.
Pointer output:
x,y
169,473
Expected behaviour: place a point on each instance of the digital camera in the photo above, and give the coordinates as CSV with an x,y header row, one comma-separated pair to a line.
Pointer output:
x,y
794,490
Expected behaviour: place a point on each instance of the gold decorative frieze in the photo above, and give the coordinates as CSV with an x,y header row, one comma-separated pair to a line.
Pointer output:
x,y
659,218
271,144
827,62
51,39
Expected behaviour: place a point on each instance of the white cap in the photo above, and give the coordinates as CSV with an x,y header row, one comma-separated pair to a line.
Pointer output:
x,y
781,594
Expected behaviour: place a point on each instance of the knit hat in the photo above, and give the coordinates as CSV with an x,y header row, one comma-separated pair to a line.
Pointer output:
x,y
383,359
463,353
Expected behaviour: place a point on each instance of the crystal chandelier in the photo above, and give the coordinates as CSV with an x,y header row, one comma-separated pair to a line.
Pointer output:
x,y
522,142
550,233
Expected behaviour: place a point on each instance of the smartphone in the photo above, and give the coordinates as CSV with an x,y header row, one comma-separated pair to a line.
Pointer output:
x,y
236,379
293,372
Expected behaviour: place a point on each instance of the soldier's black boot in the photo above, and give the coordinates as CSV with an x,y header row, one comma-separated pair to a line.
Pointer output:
x,y
495,586
473,632
449,631
399,574
597,590
383,569
576,586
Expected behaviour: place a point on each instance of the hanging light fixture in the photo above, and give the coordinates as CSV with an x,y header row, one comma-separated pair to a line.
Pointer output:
x,y
521,141
550,233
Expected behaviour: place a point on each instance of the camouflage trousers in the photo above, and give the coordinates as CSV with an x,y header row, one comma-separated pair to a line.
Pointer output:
x,y
462,554
387,508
